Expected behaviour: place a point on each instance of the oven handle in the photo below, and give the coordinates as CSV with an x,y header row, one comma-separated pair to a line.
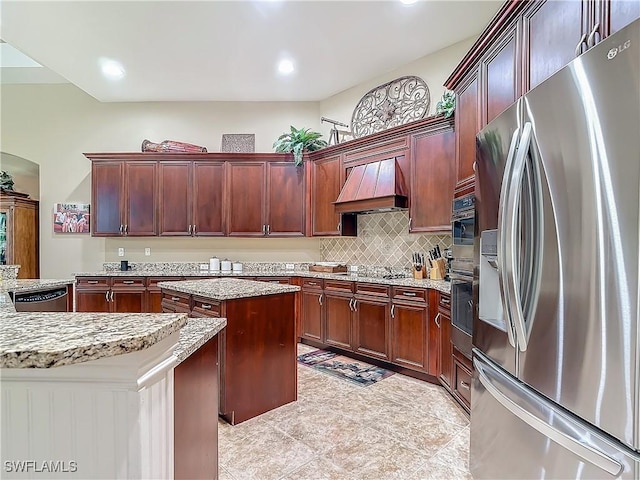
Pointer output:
x,y
458,276
463,215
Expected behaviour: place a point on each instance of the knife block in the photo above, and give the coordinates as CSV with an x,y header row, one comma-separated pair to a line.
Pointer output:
x,y
419,274
438,269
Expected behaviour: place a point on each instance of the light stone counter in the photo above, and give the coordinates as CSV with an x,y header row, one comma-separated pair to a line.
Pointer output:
x,y
228,288
195,334
45,340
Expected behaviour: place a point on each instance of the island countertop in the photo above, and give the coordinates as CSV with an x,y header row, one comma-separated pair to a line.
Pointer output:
x,y
46,340
228,288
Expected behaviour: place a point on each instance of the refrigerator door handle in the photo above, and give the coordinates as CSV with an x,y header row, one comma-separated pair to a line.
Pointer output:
x,y
512,238
533,409
502,239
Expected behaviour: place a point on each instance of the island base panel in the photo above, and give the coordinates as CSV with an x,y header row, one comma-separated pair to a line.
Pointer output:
x,y
258,356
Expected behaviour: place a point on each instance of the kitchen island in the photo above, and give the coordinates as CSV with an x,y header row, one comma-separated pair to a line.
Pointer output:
x,y
91,395
258,347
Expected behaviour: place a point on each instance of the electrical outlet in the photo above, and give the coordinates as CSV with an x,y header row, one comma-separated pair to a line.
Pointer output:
x,y
353,268
289,266
147,251
204,266
121,252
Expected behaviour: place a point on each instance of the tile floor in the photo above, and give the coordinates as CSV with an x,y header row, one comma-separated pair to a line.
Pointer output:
x,y
399,428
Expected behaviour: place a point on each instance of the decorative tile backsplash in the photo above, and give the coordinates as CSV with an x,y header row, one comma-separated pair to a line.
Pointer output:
x,y
383,239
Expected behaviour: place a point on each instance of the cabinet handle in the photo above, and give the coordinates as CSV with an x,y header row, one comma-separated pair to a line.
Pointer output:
x,y
264,229
189,229
393,311
475,166
112,295
437,320
121,229
206,306
591,41
464,385
268,229
127,282
175,299
578,50
320,299
339,226
312,283
355,304
92,282
409,294
446,301
410,220
351,304
194,229
106,295
126,229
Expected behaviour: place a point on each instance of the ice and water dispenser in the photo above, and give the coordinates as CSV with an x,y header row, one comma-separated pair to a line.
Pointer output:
x,y
490,301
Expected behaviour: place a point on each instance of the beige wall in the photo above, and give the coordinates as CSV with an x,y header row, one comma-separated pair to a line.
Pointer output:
x,y
53,124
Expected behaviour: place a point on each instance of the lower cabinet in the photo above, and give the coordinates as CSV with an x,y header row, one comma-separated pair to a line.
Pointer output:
x,y
371,327
461,385
312,313
338,313
111,294
445,364
409,335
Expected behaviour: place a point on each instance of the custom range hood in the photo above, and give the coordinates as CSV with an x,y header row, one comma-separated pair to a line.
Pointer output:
x,y
373,187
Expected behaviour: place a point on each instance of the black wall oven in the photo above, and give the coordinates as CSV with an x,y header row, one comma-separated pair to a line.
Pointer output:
x,y
463,222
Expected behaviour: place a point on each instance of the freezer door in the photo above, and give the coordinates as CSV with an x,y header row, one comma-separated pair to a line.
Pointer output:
x,y
578,333
496,147
517,434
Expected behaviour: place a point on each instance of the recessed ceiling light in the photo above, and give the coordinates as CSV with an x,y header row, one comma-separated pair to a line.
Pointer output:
x,y
112,69
286,67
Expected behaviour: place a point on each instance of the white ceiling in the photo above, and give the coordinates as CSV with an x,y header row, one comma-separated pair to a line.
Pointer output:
x,y
228,50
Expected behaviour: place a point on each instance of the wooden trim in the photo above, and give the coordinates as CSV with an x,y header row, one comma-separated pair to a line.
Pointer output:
x,y
497,25
212,157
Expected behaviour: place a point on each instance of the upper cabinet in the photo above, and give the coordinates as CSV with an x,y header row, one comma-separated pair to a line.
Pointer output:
x,y
524,44
246,209
124,198
285,194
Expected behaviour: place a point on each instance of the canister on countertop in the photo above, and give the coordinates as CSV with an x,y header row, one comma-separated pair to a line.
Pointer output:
x,y
214,264
225,265
237,267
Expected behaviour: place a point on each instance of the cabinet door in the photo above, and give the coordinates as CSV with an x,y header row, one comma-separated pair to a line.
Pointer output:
x,y
175,194
106,198
409,336
551,32
338,320
501,73
467,121
432,181
246,193
612,15
312,315
128,301
285,199
445,364
371,328
92,300
141,181
208,199
326,180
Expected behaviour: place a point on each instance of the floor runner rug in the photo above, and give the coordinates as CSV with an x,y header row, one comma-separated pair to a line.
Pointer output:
x,y
360,373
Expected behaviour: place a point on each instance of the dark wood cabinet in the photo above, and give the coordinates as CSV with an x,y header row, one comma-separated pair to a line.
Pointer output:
x,y
124,198
20,234
432,179
285,212
409,333
500,70
612,15
111,294
371,327
338,320
245,208
191,198
327,179
467,121
154,294
445,348
312,311
461,379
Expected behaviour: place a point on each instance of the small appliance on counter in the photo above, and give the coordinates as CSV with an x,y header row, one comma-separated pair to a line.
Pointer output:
x,y
124,266
328,267
225,265
237,267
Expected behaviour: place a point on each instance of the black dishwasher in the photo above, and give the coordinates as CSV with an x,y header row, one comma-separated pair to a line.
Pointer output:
x,y
53,300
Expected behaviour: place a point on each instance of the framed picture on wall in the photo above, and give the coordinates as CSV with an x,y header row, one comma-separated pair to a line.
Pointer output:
x,y
71,218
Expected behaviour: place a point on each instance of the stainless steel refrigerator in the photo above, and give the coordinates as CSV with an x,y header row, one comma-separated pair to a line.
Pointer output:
x,y
556,389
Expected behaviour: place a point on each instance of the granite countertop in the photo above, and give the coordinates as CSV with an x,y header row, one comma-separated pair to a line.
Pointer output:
x,y
45,340
228,288
196,333
440,285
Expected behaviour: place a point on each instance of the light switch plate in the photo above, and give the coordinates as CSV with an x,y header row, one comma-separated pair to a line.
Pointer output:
x,y
121,252
289,266
147,251
353,268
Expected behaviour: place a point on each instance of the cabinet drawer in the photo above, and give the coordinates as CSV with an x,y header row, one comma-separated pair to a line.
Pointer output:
x,y
339,286
444,302
206,306
127,282
372,290
312,283
181,299
410,294
462,382
91,282
152,282
280,280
